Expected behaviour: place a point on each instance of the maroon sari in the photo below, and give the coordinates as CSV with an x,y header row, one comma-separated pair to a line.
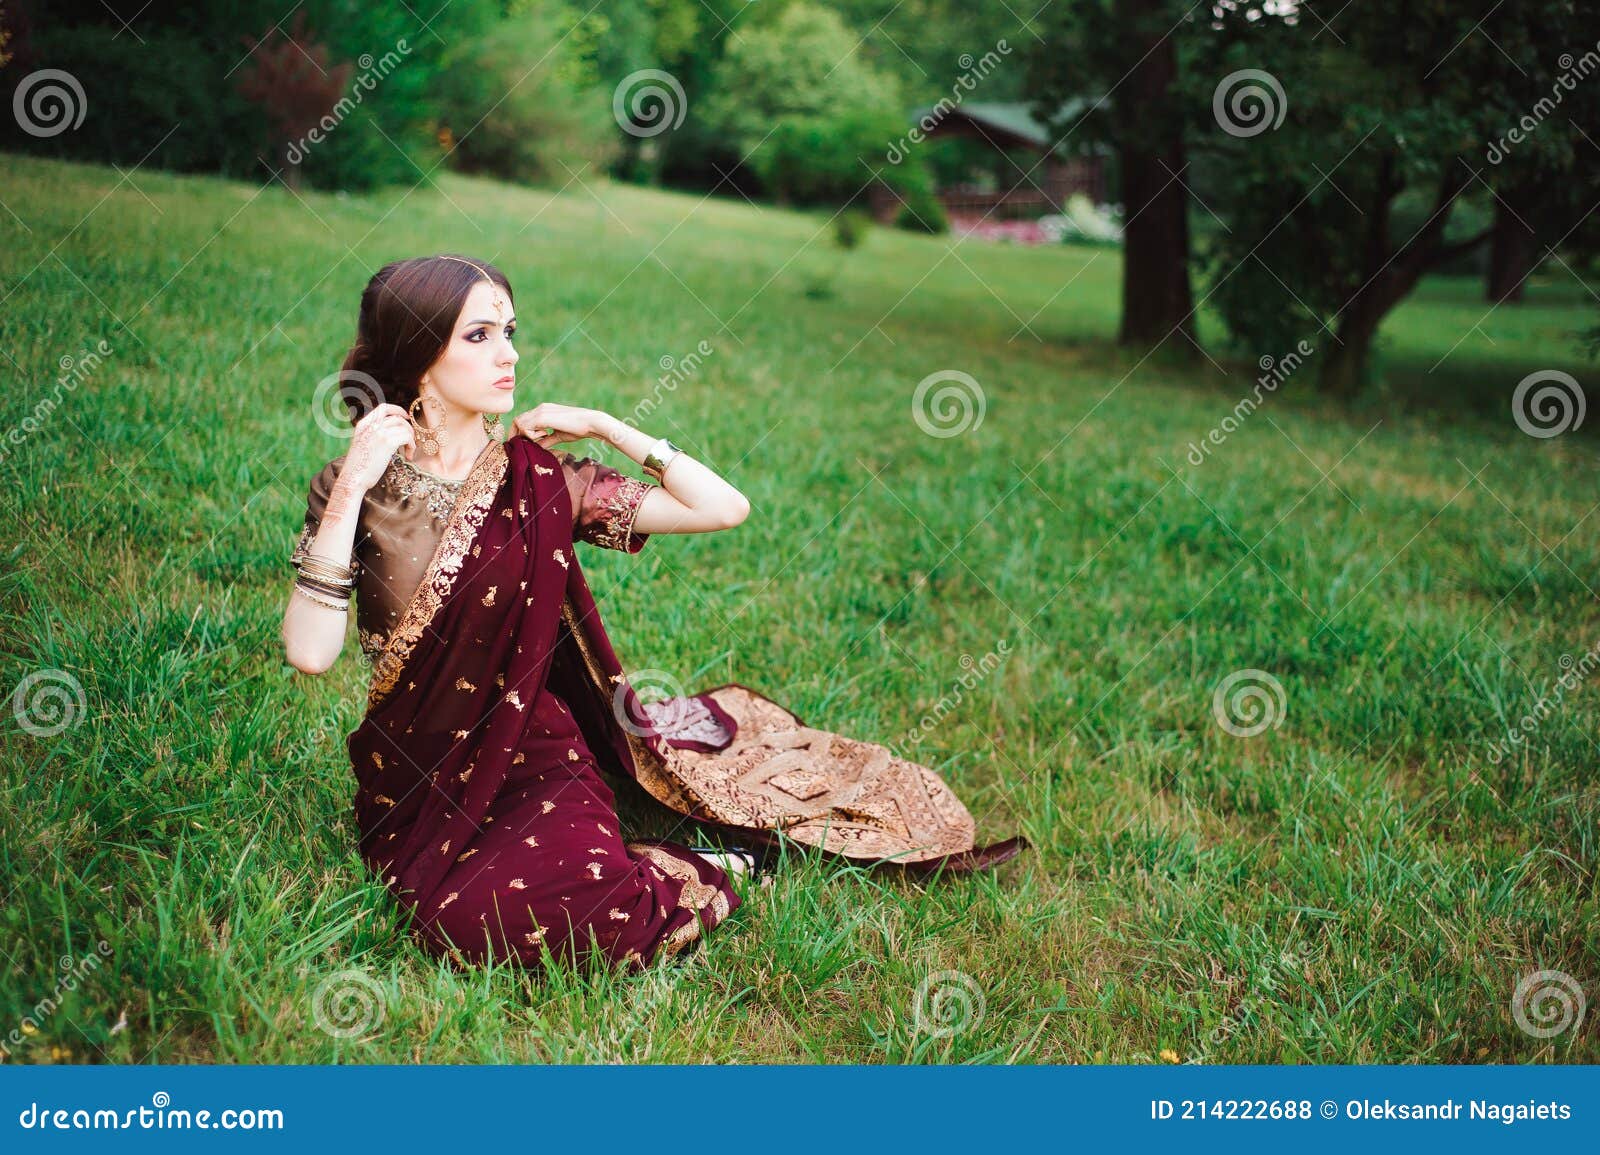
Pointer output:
x,y
480,801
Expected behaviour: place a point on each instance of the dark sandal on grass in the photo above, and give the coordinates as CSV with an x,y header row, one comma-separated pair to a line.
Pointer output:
x,y
759,858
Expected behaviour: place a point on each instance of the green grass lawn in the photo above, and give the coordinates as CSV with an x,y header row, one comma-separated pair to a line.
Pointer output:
x,y
1361,882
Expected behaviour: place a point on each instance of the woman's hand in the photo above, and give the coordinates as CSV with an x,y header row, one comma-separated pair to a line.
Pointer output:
x,y
377,436
549,423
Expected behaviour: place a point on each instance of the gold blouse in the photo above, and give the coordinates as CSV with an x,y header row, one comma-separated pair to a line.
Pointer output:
x,y
403,516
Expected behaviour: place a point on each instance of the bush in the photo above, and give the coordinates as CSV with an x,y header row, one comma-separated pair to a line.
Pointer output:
x,y
922,214
921,210
173,94
850,228
1083,223
831,158
520,125
804,63
165,99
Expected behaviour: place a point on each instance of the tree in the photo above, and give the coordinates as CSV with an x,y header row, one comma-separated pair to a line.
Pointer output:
x,y
289,74
162,92
806,62
1388,105
1513,245
1130,52
513,103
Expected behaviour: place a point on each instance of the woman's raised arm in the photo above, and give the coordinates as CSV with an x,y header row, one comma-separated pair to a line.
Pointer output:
x,y
692,498
313,633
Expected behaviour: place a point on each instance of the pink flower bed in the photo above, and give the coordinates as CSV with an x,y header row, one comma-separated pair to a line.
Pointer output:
x,y
1018,232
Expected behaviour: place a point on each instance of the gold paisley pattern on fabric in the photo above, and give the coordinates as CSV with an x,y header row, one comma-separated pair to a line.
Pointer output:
x,y
476,495
621,509
645,760
686,719
372,643
820,788
695,896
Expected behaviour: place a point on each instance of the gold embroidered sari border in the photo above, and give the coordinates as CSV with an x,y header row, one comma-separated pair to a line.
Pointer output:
x,y
650,767
466,516
698,898
621,510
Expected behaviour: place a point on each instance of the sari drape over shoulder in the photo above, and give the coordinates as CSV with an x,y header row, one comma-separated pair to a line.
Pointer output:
x,y
497,701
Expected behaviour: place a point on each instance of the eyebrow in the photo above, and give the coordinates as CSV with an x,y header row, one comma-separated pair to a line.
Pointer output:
x,y
486,321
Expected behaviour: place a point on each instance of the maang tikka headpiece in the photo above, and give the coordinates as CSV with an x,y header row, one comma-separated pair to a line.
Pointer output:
x,y
499,301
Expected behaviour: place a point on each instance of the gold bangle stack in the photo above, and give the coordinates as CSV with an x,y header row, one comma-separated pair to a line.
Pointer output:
x,y
324,581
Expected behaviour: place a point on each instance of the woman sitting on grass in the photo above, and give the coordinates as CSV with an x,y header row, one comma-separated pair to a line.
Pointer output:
x,y
496,699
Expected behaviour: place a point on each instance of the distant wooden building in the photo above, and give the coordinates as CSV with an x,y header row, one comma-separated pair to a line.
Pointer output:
x,y
1006,128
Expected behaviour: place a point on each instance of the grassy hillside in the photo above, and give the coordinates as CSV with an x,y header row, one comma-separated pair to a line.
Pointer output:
x,y
1365,880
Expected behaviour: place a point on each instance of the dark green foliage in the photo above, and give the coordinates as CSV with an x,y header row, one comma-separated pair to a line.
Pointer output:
x,y
139,107
508,112
1390,161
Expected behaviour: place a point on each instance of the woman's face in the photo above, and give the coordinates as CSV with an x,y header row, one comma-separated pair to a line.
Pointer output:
x,y
476,370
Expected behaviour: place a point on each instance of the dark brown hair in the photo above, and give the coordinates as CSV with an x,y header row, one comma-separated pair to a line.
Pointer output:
x,y
408,312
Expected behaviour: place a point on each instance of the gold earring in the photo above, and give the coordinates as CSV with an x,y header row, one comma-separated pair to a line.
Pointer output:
x,y
494,428
429,438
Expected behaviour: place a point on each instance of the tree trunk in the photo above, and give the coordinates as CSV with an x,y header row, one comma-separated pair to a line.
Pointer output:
x,y
1387,274
1344,366
1157,303
1513,254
